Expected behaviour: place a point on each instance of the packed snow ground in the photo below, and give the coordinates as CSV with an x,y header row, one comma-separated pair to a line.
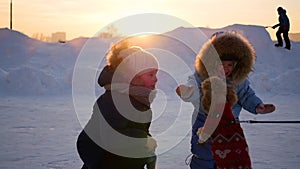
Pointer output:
x,y
39,123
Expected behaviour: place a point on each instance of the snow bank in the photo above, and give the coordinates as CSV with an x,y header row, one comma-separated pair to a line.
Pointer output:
x,y
31,67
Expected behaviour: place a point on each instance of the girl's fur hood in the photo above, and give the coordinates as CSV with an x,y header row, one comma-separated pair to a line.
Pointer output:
x,y
226,46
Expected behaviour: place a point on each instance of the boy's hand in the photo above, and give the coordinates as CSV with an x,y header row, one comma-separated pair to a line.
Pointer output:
x,y
201,142
265,108
151,144
185,91
199,131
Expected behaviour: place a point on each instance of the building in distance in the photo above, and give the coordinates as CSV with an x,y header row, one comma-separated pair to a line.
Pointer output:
x,y
58,37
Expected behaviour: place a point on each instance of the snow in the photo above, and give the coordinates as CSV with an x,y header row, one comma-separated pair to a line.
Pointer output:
x,y
43,105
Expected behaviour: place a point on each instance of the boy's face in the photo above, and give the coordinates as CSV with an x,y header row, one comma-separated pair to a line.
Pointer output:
x,y
149,78
228,67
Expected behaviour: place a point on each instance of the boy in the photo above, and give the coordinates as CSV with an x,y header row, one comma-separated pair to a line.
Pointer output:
x,y
117,135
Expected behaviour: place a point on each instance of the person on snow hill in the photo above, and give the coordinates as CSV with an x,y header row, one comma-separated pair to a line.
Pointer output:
x,y
284,27
228,143
227,55
117,135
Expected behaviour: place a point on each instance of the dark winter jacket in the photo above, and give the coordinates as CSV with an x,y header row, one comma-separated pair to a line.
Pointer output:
x,y
284,23
109,128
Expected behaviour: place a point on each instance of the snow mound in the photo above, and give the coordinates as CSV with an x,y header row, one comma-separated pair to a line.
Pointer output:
x,y
32,67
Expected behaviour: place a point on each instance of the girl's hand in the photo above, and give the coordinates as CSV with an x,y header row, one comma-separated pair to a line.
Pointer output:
x,y
265,108
185,91
199,131
201,142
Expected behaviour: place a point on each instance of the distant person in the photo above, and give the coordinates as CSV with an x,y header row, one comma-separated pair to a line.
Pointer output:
x,y
284,27
130,75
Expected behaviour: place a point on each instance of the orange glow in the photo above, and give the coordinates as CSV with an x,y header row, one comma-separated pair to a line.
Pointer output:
x,y
85,18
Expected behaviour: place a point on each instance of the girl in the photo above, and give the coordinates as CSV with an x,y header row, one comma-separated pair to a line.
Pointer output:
x,y
225,46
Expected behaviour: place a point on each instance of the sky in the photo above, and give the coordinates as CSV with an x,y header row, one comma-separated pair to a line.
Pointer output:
x,y
86,17
47,92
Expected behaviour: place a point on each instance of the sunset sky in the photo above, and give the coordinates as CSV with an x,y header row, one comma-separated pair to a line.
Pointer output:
x,y
86,17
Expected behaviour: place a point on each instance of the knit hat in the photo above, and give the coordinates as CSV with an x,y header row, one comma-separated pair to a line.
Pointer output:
x,y
130,61
226,46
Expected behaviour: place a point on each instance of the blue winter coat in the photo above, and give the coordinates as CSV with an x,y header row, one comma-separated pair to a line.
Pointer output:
x,y
246,99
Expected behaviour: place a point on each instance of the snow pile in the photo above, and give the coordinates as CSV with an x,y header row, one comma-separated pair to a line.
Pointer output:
x,y
31,67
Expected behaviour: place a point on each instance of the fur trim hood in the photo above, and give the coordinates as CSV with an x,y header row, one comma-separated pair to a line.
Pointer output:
x,y
226,46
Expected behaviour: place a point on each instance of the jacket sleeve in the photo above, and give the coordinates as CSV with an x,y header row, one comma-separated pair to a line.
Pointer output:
x,y
247,97
275,26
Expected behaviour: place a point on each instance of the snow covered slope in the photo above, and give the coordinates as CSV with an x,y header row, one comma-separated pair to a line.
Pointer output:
x,y
31,67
